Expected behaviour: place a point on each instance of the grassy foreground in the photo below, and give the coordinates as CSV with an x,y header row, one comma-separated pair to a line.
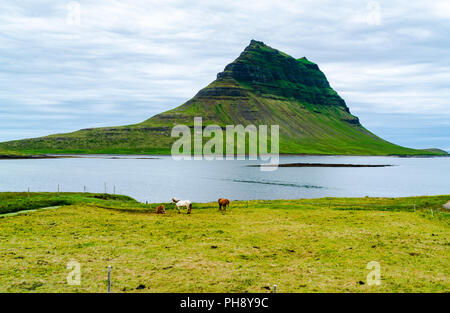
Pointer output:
x,y
311,245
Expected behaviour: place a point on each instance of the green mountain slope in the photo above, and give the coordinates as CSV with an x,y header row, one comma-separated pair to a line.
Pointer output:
x,y
262,86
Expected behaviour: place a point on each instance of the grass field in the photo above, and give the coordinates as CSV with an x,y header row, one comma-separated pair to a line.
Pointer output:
x,y
311,245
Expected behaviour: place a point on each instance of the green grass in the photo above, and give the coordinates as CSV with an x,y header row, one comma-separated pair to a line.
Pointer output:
x,y
310,245
10,153
19,201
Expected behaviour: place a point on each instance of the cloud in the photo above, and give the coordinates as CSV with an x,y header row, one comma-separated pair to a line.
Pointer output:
x,y
441,8
129,60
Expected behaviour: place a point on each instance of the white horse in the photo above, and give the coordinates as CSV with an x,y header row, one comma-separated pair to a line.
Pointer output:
x,y
183,203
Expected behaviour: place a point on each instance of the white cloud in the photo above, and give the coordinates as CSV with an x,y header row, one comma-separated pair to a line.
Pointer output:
x,y
392,88
441,8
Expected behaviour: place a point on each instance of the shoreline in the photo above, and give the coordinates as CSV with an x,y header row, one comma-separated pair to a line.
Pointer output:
x,y
33,157
75,156
158,156
320,165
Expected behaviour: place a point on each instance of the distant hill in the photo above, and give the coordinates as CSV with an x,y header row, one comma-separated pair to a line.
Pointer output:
x,y
437,151
262,86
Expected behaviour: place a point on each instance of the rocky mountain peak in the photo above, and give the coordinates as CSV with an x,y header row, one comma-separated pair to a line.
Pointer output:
x,y
270,72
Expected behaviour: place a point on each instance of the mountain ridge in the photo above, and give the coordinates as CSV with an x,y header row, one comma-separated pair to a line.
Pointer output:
x,y
263,86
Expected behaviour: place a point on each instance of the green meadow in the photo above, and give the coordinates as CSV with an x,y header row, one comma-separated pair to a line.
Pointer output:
x,y
308,245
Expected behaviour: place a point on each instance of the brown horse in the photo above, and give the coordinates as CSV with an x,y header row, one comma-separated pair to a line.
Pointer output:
x,y
223,203
160,209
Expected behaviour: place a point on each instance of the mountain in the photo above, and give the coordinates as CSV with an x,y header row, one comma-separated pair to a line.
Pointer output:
x,y
262,86
437,151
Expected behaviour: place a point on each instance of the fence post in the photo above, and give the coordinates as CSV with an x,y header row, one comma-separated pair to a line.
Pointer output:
x,y
274,288
109,278
414,207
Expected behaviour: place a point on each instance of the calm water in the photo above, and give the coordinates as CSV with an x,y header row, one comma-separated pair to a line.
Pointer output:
x,y
157,180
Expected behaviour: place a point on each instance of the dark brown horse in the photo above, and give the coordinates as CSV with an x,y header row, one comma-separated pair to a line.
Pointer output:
x,y
223,203
160,209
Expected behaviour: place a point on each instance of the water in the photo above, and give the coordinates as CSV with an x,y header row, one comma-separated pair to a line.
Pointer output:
x,y
158,180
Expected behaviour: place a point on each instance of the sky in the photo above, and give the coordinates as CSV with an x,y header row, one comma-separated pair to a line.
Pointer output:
x,y
68,65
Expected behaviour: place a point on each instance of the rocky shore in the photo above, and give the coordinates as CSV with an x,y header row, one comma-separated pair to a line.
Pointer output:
x,y
320,165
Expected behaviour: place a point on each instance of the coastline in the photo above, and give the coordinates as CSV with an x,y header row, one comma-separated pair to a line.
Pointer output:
x,y
34,157
319,165
158,156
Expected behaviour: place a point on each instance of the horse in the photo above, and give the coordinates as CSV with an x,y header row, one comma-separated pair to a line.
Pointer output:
x,y
160,209
223,203
183,203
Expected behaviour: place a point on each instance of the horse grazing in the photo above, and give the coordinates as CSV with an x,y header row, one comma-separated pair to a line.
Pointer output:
x,y
160,209
183,203
223,203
